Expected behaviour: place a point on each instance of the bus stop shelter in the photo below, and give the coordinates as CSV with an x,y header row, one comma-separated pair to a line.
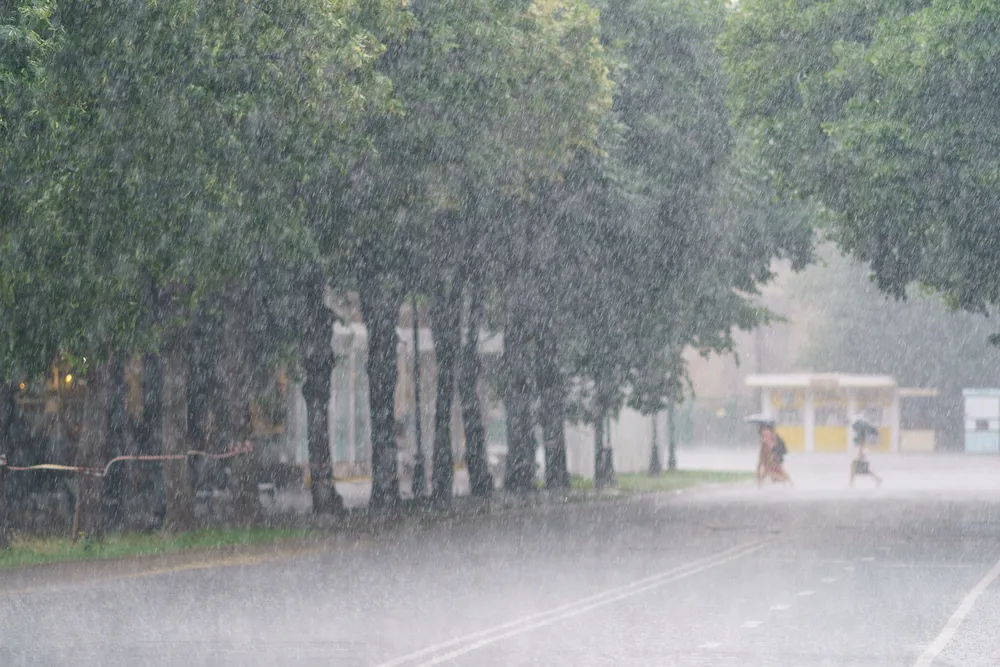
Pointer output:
x,y
813,411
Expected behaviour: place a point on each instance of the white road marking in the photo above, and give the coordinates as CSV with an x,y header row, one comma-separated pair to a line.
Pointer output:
x,y
780,607
867,559
945,566
803,594
753,624
828,580
710,645
476,640
951,627
850,567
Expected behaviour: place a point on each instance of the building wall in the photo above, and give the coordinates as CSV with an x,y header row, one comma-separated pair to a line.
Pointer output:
x,y
982,421
631,439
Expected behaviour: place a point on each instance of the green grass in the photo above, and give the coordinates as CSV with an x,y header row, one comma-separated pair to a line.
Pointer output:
x,y
35,551
668,481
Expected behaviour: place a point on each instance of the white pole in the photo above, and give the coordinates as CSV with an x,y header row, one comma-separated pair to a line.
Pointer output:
x,y
766,408
896,419
352,398
809,420
852,413
331,404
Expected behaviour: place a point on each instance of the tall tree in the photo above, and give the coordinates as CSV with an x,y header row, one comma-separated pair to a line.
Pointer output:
x,y
318,362
381,295
30,322
164,152
498,96
446,313
92,451
480,480
885,115
663,243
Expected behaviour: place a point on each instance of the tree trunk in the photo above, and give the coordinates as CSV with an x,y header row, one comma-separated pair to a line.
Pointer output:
x,y
177,486
599,453
609,455
205,393
553,405
238,427
671,437
8,412
146,478
316,389
119,444
245,471
319,362
519,471
91,450
148,435
655,464
380,308
418,484
480,479
4,505
604,466
445,323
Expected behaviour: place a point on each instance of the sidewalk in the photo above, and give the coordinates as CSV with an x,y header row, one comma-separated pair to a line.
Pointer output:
x,y
355,494
926,473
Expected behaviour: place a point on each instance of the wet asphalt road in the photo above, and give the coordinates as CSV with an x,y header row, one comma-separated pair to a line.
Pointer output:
x,y
817,575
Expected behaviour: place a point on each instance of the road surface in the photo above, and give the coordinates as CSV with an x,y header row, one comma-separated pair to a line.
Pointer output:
x,y
817,575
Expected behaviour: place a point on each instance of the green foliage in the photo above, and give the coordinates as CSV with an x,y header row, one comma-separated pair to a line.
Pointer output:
x,y
497,97
886,115
167,150
27,40
682,237
192,165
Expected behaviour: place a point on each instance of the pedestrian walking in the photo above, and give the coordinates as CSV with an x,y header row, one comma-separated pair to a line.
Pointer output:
x,y
860,465
771,456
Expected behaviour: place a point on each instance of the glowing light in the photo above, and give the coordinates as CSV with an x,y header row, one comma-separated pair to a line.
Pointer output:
x,y
22,386
69,379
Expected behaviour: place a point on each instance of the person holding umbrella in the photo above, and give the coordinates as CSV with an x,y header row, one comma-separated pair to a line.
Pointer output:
x,y
863,434
771,458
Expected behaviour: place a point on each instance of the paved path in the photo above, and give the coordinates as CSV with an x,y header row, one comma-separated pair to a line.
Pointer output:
x,y
904,575
815,471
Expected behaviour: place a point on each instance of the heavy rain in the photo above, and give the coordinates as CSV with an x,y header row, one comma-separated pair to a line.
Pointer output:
x,y
569,333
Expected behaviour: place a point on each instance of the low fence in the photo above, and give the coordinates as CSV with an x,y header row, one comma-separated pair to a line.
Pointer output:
x,y
51,511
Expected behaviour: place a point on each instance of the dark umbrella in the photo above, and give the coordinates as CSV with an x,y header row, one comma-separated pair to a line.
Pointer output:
x,y
864,432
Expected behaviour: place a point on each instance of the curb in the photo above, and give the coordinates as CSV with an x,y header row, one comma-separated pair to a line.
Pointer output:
x,y
331,532
60,574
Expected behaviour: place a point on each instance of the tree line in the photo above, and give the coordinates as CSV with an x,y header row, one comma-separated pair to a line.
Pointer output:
x,y
883,117
187,181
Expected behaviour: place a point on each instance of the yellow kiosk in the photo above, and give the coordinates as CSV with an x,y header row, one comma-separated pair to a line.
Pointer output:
x,y
813,412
